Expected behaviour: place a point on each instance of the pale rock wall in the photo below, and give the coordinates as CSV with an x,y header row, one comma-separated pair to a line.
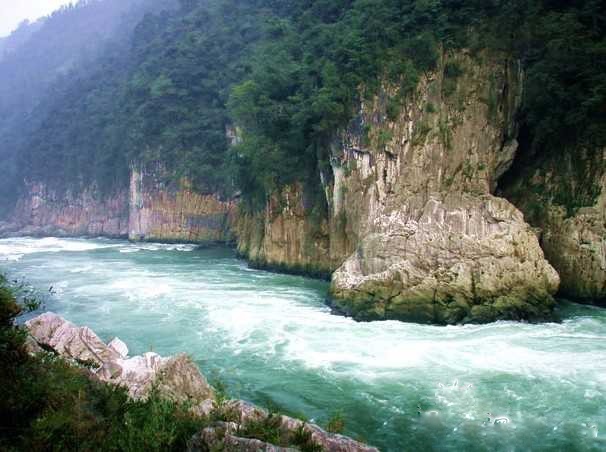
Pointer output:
x,y
432,243
46,212
161,210
153,208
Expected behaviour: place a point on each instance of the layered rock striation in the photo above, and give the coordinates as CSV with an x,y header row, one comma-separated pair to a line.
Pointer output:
x,y
43,212
162,209
564,197
416,189
289,235
155,207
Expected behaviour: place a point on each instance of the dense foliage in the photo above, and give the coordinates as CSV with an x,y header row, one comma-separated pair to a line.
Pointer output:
x,y
168,86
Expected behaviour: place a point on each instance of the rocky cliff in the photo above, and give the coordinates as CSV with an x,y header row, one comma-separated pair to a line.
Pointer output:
x,y
406,217
154,207
162,209
564,197
288,235
414,230
42,211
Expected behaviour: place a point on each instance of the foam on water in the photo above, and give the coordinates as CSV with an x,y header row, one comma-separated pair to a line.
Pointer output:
x,y
272,340
15,249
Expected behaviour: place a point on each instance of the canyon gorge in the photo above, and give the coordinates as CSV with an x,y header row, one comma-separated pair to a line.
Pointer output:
x,y
416,225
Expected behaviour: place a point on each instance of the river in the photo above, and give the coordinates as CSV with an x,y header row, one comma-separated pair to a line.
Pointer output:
x,y
271,340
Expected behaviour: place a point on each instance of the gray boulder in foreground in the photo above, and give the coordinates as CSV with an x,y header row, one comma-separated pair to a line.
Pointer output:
x,y
177,378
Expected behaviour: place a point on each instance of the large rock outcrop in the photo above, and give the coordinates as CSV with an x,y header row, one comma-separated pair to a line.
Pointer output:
x,y
405,215
564,196
415,191
413,229
452,258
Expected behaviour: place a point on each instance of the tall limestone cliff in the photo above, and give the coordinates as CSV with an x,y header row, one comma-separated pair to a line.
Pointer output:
x,y
405,218
154,207
434,244
414,230
44,211
162,209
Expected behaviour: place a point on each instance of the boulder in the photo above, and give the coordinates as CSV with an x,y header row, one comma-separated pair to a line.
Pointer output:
x,y
176,378
241,414
119,346
78,343
223,436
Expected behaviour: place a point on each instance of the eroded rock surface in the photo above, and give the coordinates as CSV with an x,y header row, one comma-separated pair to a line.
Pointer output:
x,y
452,258
286,236
564,196
45,212
151,207
69,340
161,209
176,377
415,190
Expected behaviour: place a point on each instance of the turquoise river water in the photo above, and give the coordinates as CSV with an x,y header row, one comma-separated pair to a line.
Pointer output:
x,y
272,341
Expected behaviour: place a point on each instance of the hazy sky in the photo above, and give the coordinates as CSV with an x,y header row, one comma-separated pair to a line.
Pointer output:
x,y
12,12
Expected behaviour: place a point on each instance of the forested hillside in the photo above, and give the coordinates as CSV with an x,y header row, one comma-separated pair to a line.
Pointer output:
x,y
119,87
43,63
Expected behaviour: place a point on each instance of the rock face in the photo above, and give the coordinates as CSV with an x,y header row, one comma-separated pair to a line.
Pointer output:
x,y
45,212
78,343
153,208
565,198
452,258
176,378
413,230
288,235
415,185
162,210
